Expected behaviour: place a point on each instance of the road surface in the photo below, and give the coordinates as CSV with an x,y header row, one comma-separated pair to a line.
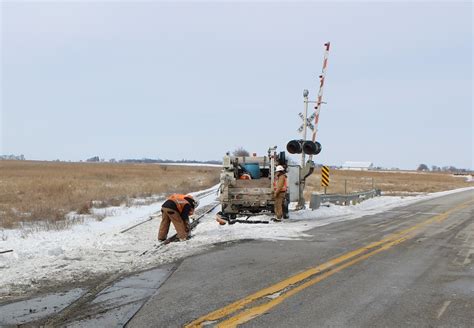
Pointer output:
x,y
409,267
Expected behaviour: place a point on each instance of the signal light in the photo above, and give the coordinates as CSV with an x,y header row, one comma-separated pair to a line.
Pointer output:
x,y
311,148
318,147
299,146
294,147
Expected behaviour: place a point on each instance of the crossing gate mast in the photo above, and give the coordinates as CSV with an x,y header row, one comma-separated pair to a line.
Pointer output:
x,y
308,147
247,181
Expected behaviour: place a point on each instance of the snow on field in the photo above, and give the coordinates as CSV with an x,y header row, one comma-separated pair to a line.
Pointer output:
x,y
97,247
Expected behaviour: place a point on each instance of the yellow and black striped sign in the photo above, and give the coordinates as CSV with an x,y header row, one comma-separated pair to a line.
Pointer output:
x,y
324,176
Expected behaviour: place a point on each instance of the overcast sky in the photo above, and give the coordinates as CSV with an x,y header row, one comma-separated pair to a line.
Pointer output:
x,y
192,80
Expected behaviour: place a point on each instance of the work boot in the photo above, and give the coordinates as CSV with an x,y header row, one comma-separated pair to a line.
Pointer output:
x,y
187,238
276,220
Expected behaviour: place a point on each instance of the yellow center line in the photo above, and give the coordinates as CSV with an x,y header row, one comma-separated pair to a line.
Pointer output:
x,y
297,278
256,311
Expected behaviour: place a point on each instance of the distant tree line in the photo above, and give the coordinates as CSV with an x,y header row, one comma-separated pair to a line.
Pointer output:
x,y
434,168
97,159
185,161
12,157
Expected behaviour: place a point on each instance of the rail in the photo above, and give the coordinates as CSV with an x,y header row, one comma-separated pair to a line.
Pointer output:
x,y
152,217
174,237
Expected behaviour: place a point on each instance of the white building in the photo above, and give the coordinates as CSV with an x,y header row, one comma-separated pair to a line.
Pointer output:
x,y
358,166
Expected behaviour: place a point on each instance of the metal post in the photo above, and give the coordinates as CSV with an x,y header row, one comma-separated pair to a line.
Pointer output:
x,y
301,202
305,122
325,190
345,186
272,164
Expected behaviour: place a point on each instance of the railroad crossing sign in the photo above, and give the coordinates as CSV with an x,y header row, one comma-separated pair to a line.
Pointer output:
x,y
325,176
309,124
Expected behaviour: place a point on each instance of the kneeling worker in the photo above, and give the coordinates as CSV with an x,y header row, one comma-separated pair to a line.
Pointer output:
x,y
177,209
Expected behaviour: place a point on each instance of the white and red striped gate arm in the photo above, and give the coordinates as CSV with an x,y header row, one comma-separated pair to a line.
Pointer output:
x,y
319,102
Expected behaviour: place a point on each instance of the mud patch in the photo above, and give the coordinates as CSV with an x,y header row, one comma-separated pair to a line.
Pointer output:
x,y
115,305
37,308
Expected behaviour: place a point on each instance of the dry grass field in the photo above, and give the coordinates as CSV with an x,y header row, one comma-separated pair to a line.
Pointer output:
x,y
391,183
46,191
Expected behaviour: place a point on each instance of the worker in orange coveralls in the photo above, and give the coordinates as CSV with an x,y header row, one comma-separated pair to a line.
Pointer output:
x,y
177,209
280,185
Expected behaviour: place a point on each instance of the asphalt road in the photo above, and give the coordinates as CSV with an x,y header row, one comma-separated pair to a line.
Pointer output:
x,y
409,267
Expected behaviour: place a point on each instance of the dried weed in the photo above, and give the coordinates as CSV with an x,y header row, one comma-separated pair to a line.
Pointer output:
x,y
46,191
392,183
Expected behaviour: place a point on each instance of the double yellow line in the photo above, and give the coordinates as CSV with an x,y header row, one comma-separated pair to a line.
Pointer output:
x,y
270,297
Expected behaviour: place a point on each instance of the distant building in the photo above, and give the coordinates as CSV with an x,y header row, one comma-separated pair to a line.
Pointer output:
x,y
93,159
358,166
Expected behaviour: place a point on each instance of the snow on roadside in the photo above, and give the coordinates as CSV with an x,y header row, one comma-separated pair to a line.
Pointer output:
x,y
98,247
301,221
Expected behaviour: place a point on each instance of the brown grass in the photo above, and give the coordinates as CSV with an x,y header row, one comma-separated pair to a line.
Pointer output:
x,y
391,183
46,191
43,192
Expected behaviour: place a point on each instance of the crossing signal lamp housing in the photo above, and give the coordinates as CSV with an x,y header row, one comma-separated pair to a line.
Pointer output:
x,y
294,147
311,148
306,146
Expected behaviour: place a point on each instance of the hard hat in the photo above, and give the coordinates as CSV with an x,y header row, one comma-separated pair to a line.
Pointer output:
x,y
280,168
194,202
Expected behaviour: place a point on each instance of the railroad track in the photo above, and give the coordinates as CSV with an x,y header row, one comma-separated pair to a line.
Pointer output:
x,y
192,225
73,311
199,196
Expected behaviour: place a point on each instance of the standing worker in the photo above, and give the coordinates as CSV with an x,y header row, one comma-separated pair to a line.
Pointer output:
x,y
280,185
177,209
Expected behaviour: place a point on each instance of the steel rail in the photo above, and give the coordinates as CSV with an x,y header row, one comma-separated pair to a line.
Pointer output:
x,y
159,215
174,237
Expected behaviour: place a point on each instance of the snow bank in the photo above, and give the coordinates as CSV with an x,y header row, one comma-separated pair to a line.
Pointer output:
x,y
98,247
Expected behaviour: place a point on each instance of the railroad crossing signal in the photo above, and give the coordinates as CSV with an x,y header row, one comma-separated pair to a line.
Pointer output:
x,y
309,124
325,176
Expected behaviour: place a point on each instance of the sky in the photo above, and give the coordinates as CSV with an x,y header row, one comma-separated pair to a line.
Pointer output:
x,y
193,80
